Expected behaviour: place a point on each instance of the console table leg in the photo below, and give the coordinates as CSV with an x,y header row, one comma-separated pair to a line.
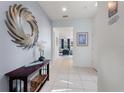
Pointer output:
x,y
40,72
25,85
10,85
48,71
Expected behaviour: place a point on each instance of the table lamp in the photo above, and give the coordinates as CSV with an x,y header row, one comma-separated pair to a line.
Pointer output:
x,y
41,47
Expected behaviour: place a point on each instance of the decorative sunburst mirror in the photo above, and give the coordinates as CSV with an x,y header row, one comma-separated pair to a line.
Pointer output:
x,y
22,26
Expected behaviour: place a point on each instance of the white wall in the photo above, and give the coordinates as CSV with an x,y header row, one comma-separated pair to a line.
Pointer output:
x,y
81,55
12,57
66,32
110,49
55,44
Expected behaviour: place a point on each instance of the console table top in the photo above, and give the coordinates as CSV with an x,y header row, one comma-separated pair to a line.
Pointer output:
x,y
26,71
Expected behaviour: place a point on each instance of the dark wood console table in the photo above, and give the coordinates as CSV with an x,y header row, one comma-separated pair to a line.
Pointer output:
x,y
19,79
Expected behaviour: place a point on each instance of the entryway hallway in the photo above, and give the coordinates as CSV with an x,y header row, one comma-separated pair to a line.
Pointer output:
x,y
64,77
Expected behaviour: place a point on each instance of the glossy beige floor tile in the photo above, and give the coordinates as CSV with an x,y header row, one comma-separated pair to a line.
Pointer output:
x,y
64,77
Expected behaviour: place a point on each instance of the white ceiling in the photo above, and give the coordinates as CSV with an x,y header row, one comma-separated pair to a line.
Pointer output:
x,y
75,9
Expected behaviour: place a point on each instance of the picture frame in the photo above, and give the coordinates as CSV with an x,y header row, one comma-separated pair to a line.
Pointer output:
x,y
82,39
112,8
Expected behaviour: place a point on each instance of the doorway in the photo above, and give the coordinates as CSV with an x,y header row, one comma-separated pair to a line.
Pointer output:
x,y
62,42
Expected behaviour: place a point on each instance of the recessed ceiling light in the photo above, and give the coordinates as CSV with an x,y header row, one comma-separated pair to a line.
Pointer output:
x,y
64,9
96,4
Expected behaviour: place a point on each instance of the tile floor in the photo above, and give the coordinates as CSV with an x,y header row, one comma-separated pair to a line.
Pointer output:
x,y
64,77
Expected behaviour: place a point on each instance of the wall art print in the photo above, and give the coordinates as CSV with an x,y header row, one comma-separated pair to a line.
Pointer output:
x,y
82,39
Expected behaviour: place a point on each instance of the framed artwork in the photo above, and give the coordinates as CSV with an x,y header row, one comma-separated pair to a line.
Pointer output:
x,y
112,8
82,39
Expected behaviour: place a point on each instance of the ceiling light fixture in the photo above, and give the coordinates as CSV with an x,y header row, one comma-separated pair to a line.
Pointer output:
x,y
64,9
